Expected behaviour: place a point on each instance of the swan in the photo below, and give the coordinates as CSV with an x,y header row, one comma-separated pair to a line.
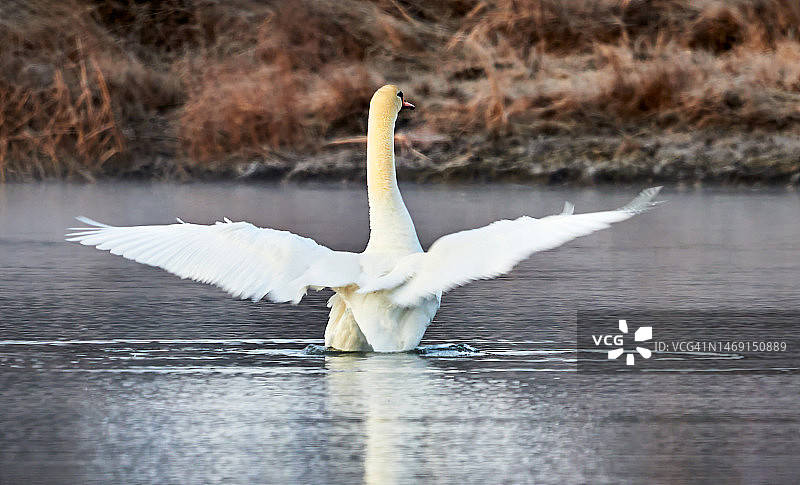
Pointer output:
x,y
384,297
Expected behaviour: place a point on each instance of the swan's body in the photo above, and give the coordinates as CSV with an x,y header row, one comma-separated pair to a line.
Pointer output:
x,y
386,296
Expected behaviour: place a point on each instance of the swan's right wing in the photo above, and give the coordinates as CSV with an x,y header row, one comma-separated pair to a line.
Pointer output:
x,y
492,250
242,259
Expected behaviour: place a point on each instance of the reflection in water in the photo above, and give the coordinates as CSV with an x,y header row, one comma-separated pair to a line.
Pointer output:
x,y
386,391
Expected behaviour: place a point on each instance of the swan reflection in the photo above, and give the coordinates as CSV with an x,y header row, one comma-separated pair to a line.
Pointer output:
x,y
385,394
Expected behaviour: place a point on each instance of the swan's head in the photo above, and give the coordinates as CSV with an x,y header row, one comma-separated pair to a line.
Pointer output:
x,y
389,99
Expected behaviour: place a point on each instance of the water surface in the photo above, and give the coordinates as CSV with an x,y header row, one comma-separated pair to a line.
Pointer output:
x,y
113,372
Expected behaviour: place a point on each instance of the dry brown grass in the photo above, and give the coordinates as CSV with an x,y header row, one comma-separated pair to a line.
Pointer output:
x,y
58,131
603,64
68,93
81,82
252,111
231,110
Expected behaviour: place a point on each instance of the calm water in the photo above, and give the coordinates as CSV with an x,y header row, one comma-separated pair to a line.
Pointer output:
x,y
112,372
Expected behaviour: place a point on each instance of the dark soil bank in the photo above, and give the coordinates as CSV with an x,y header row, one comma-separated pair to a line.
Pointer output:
x,y
581,160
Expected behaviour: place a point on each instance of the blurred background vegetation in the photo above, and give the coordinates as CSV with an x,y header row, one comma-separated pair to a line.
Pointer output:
x,y
585,91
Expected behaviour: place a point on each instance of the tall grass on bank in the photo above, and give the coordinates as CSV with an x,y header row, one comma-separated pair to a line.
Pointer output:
x,y
91,88
57,130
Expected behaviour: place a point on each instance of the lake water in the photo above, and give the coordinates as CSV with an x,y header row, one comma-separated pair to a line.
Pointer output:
x,y
113,372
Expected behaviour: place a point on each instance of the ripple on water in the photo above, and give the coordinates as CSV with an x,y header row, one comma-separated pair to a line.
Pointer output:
x,y
435,350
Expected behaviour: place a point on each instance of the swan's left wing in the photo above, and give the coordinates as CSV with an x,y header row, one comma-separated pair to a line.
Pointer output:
x,y
242,259
492,250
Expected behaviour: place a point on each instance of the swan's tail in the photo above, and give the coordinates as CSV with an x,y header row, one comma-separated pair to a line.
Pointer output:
x,y
342,332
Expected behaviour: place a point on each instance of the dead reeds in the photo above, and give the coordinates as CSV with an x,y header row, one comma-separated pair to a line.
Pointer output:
x,y
57,131
82,82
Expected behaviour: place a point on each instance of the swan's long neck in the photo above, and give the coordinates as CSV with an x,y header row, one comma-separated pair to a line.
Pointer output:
x,y
390,224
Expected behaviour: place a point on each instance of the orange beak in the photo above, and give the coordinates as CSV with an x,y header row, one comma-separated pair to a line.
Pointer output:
x,y
407,105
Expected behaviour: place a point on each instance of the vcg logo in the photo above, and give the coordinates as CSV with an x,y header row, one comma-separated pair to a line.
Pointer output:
x,y
616,340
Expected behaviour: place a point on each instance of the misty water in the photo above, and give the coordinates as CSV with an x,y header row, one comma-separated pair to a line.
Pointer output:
x,y
114,372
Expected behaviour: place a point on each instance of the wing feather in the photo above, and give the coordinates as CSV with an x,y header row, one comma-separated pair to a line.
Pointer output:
x,y
492,250
244,260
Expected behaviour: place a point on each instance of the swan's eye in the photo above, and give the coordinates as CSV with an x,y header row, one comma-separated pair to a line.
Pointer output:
x,y
400,94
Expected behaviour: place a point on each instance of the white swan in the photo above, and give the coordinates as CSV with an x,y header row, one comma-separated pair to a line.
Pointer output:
x,y
386,296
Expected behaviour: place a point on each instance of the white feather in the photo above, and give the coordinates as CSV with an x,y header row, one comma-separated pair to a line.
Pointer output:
x,y
245,261
492,250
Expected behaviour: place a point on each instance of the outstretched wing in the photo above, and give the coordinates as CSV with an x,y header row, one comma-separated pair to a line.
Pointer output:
x,y
244,260
492,250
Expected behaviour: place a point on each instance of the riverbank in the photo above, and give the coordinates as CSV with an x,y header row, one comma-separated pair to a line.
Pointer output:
x,y
529,90
701,158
